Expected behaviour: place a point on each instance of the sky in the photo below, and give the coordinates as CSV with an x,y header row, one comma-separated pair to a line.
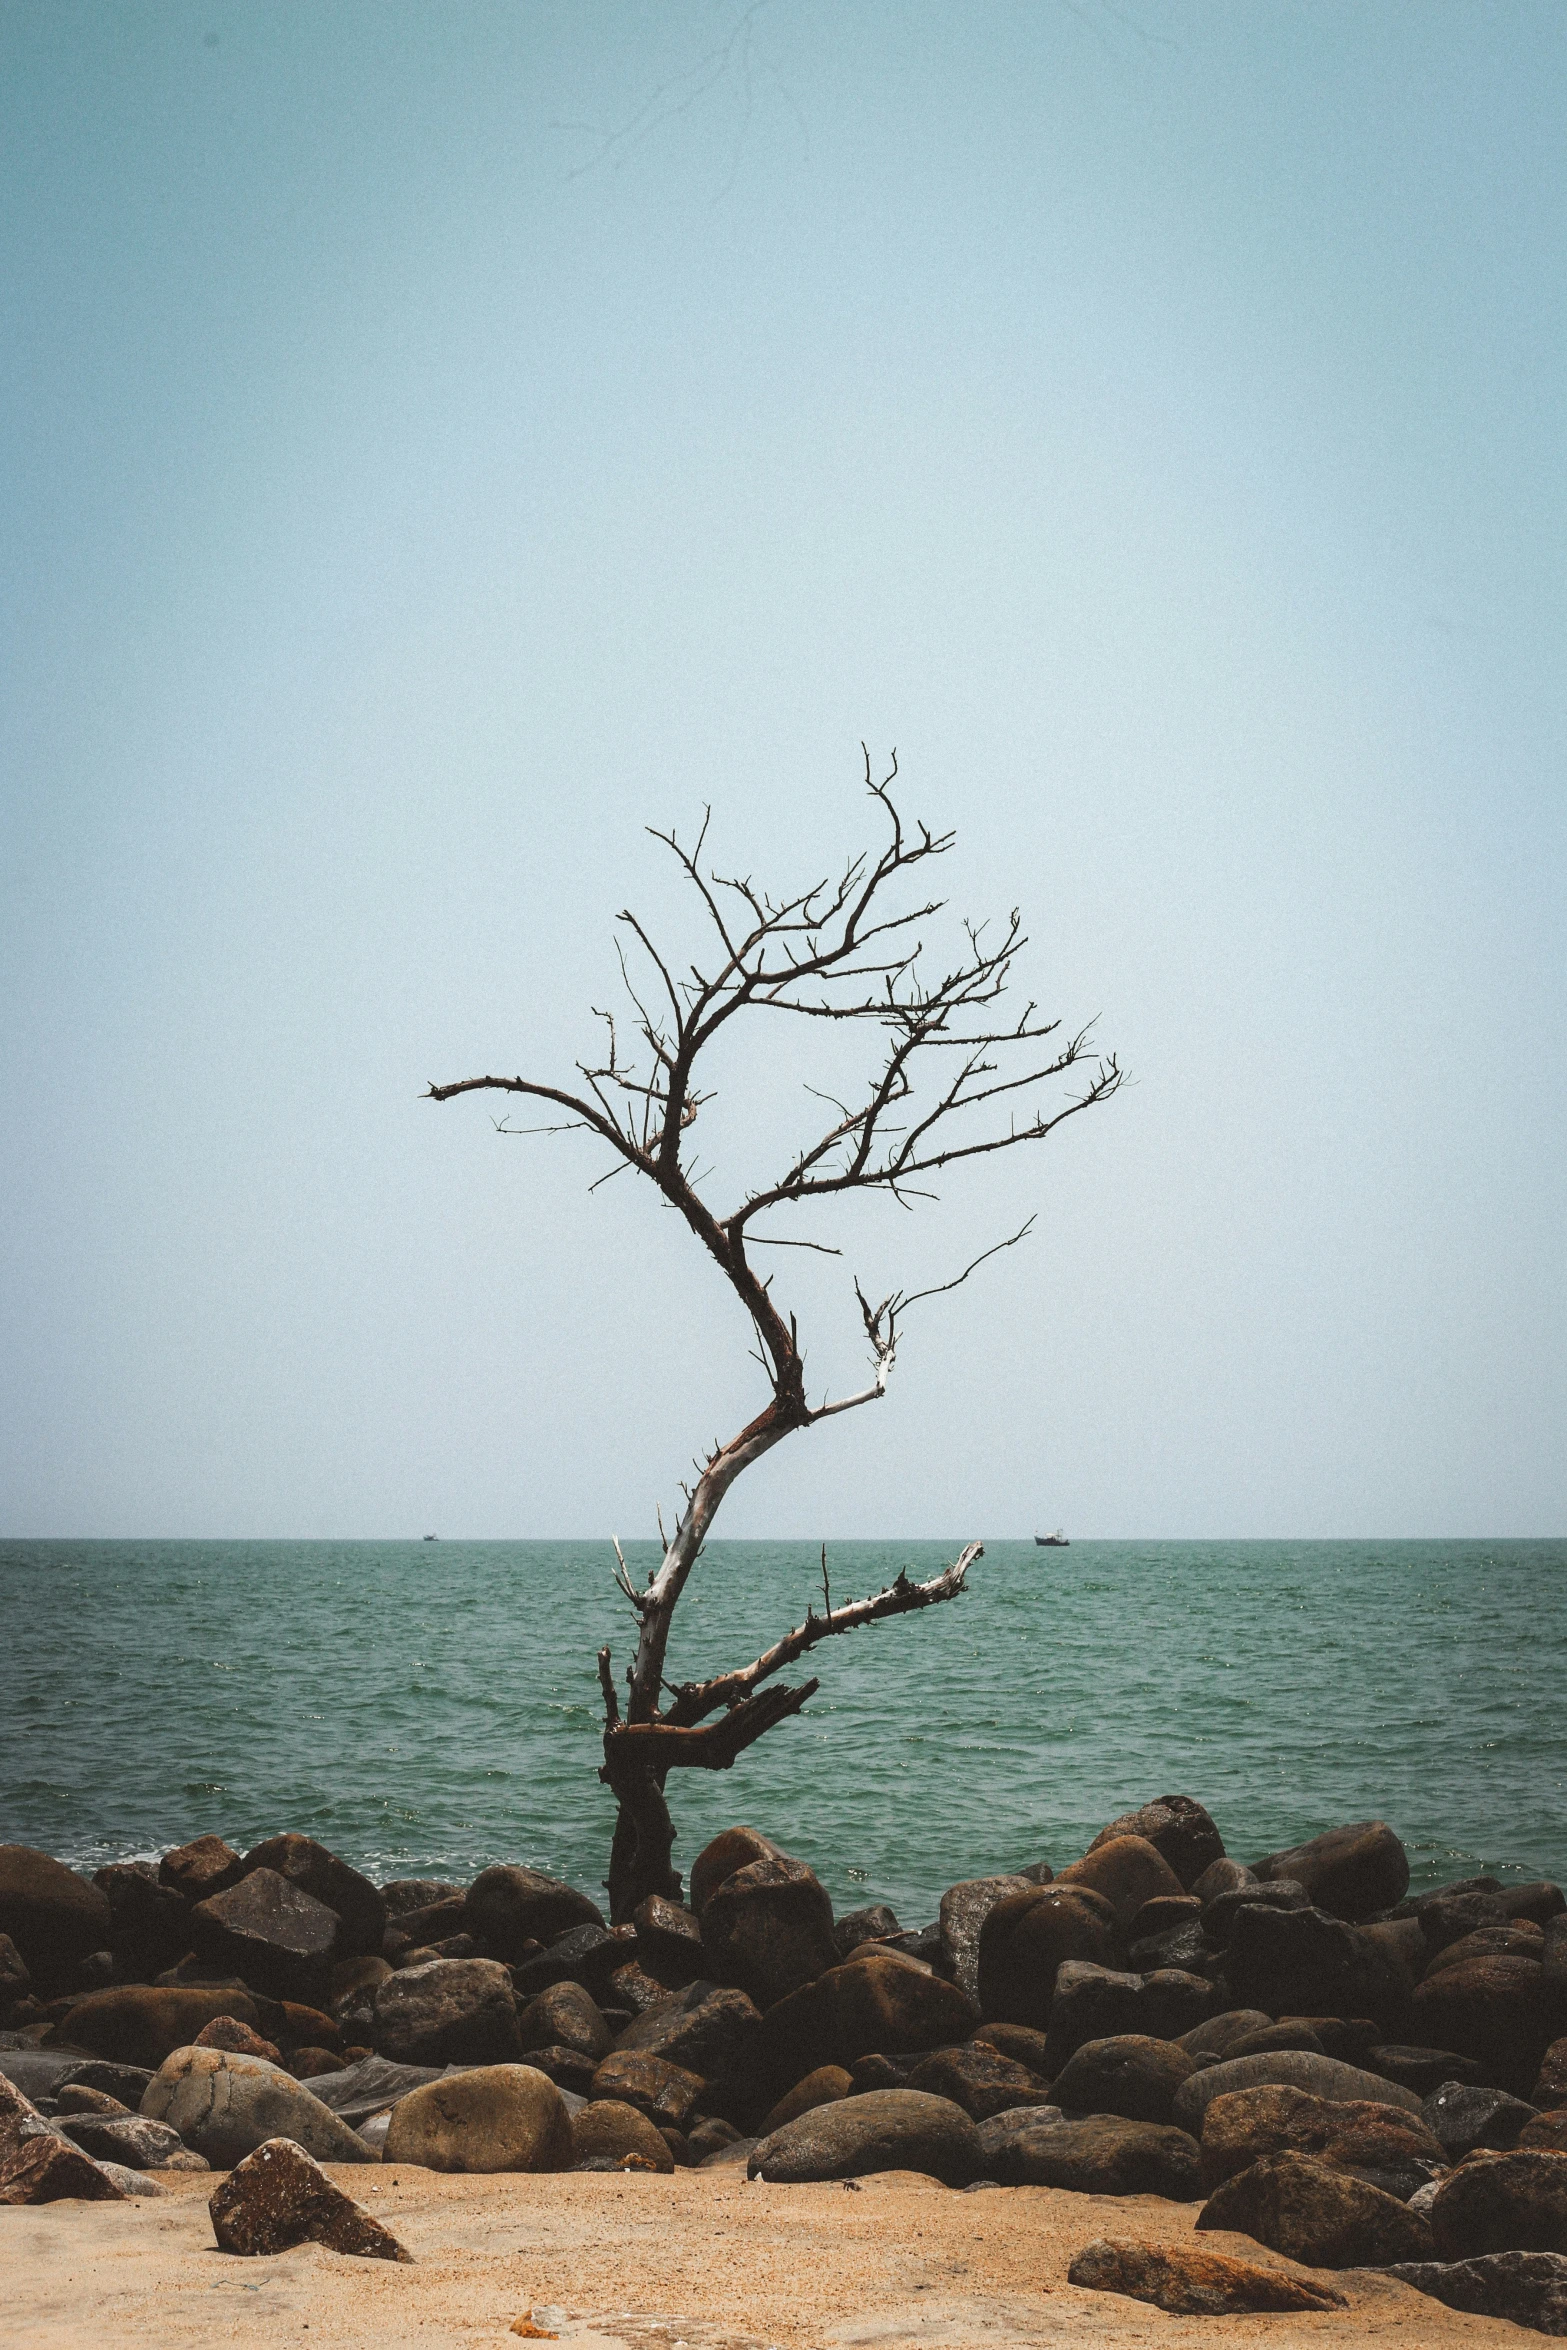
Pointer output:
x,y
438,442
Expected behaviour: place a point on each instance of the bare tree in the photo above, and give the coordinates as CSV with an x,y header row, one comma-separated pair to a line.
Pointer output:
x,y
952,1081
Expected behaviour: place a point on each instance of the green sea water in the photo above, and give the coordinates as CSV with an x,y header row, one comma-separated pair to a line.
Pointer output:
x,y
427,1708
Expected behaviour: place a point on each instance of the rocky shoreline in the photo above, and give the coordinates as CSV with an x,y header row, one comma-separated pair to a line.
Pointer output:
x,y
1347,2075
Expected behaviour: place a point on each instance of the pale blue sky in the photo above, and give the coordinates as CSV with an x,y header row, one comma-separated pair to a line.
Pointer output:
x,y
438,440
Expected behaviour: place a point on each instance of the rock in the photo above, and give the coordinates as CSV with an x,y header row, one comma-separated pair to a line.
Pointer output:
x,y
1021,2042
568,2068
669,1942
279,1939
53,1918
1506,1941
1128,1871
1376,2141
449,2011
1189,2283
76,2097
707,2030
1026,1939
1128,2074
1420,2069
15,1980
277,2197
1515,2202
824,2087
735,1849
869,2005
403,1895
1504,2012
1098,2003
508,1906
1269,2037
201,1868
1163,1915
608,2127
1218,2035
417,1929
1550,2087
137,2023
225,2106
1221,1876
891,2129
1179,1830
864,1925
359,1906
1547,2131
1102,2155
667,2093
1306,1962
1218,1914
1350,1872
711,2136
131,2140
587,1954
308,2064
1322,2076
148,1921
354,1983
980,2079
629,1988
370,2087
881,2072
1463,2116
138,2182
226,2031
1447,1917
767,1929
498,2117
124,2083
964,1909
1524,2288
564,2016
1313,2213
39,2166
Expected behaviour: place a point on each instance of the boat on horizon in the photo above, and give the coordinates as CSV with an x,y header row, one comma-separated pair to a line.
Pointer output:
x,y
432,1538
1055,1541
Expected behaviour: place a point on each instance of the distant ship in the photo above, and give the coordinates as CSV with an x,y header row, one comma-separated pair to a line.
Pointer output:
x,y
432,1538
1055,1541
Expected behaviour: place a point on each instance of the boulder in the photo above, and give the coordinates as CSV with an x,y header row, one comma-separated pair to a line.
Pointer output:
x,y
1550,2087
371,2087
276,1937
964,1909
1542,1901
1513,2202
1322,2076
1102,2155
1315,2214
39,2166
1523,2288
1420,2069
497,2117
76,2097
735,1849
1490,1942
508,1906
1295,2033
980,2079
1547,2131
404,1895
1099,2003
710,2031
767,1929
15,1981
131,2140
137,2023
588,1954
226,2031
1021,2042
892,2129
864,1925
448,2011
667,2093
359,1906
1463,2116
204,1866
417,1929
1305,1962
1189,2283
1027,1938
1218,1914
1393,2149
669,1942
629,1988
54,1918
1178,1828
608,2129
1504,2012
277,2197
1128,1871
568,2068
1221,1876
225,2106
824,2087
148,1921
1350,1872
1218,2035
1444,1918
1163,1914
1128,2074
564,2016
869,2005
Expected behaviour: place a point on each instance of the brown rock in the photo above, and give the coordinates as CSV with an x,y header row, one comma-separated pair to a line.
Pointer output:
x,y
1504,1941
354,1984
1551,2086
980,2079
767,1929
610,2130
148,1921
448,2011
964,1909
36,2166
1525,2288
1101,2003
279,2196
891,2129
1504,2012
497,2117
1178,1828
507,1907
15,1981
1021,2042
1318,2215
1320,2076
869,2005
716,2033
1026,1939
1513,2202
1189,2283
669,1942
137,2023
54,1918
226,2031
1350,1872
308,2064
564,2016
1548,2133
1127,1870
276,1937
823,2087
666,2093
1222,1876
359,1906
1239,2129
735,1849
76,2097
1101,2154
205,1866
1128,2074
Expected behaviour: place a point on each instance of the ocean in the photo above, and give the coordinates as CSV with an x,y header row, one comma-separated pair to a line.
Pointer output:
x,y
427,1708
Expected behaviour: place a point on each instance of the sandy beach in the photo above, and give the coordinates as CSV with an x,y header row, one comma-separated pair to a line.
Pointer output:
x,y
702,2259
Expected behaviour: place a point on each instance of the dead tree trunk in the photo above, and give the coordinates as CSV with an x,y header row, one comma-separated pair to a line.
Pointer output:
x,y
838,951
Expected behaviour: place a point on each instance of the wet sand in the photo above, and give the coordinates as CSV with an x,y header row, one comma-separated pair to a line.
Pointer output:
x,y
701,2260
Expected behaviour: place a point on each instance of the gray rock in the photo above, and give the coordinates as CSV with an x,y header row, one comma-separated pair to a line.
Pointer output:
x,y
1462,2117
1323,2076
1217,2035
864,1925
225,2106
1420,2069
767,1929
1524,2288
1218,1914
448,2011
1130,2075
964,1909
508,1907
373,2085
39,2072
359,1907
706,2029
127,2082
669,1941
891,2129
277,1938
137,2182
132,2140
1102,2155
